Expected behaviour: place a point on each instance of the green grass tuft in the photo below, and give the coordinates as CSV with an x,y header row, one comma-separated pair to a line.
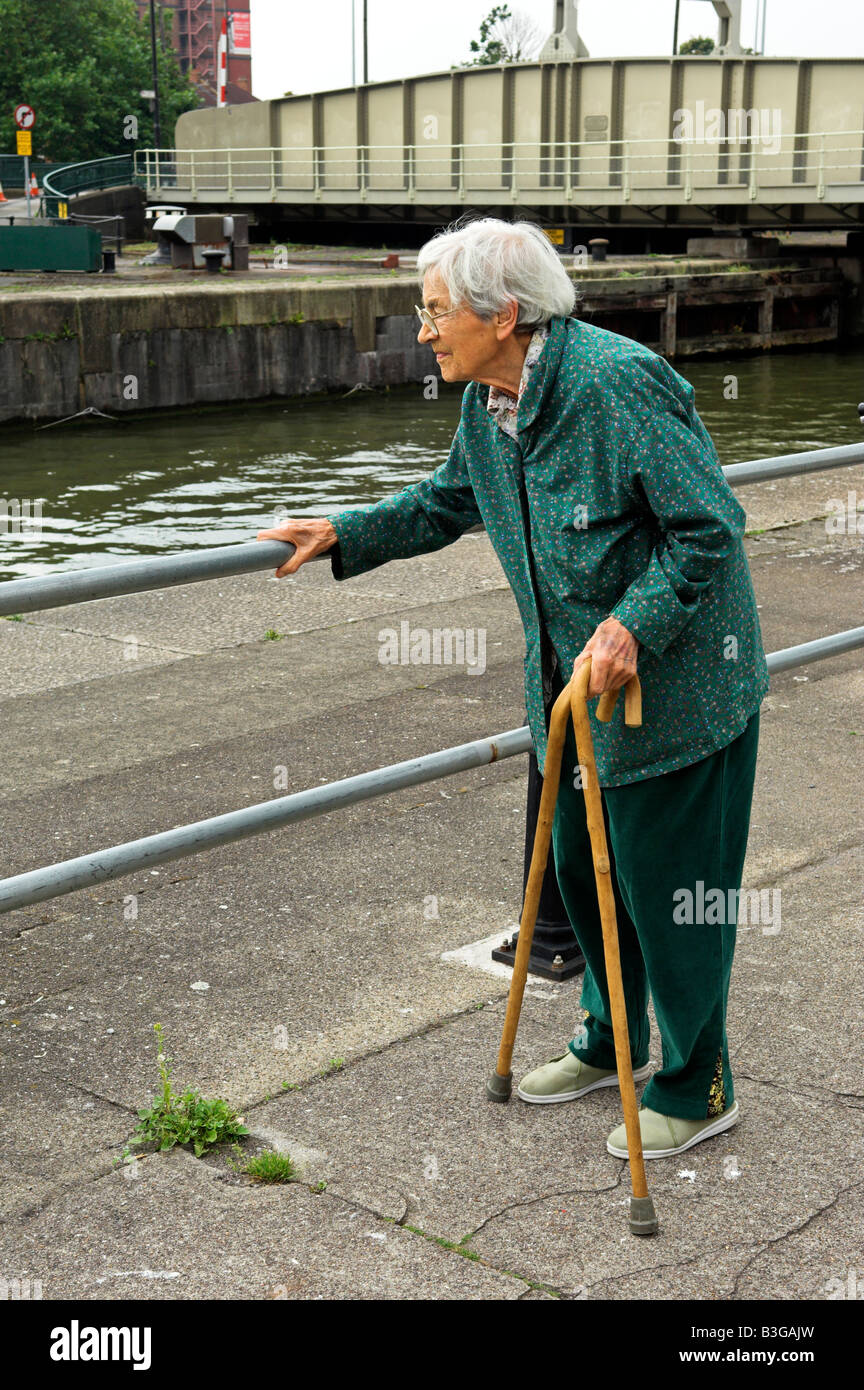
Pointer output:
x,y
271,1166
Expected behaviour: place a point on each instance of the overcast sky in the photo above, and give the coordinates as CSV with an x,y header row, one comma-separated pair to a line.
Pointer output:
x,y
300,46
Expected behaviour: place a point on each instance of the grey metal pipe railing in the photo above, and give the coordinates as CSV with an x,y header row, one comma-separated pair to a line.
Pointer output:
x,y
821,647
137,576
787,465
183,840
166,571
68,876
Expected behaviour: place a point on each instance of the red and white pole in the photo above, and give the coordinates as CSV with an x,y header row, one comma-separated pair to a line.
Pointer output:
x,y
222,66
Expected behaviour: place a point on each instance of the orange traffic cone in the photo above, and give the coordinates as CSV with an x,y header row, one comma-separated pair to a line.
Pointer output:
x,y
3,198
34,187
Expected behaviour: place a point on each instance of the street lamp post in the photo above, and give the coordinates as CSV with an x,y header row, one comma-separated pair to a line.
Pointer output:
x,y
675,31
157,127
365,42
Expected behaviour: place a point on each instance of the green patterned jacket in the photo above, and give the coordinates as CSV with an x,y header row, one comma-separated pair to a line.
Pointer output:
x,y
630,516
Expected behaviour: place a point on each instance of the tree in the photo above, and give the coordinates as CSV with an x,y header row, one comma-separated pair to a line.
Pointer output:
x,y
82,67
505,37
700,45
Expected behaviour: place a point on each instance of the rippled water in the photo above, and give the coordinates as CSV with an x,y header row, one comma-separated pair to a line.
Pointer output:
x,y
150,486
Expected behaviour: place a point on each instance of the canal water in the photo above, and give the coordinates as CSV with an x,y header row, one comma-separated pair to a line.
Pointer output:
x,y
150,486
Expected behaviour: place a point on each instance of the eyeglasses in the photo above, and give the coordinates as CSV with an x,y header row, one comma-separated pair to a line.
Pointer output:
x,y
428,320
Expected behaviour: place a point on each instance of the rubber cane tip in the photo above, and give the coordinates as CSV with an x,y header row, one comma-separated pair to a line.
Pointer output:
x,y
643,1218
499,1088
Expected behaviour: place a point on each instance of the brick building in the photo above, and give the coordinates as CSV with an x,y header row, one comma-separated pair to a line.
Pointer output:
x,y
192,28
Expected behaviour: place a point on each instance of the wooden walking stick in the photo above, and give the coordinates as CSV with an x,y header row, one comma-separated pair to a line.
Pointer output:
x,y
573,702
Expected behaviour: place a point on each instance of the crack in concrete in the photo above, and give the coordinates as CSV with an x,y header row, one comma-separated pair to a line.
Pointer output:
x,y
117,1104
98,902
651,1269
781,526
457,1248
61,1188
432,1026
806,1095
793,1231
107,637
25,1008
545,1197
450,1247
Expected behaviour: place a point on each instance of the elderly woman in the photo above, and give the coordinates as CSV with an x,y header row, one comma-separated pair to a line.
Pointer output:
x,y
603,496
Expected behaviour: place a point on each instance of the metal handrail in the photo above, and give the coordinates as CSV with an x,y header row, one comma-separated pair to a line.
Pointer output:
x,y
84,177
55,880
190,567
619,164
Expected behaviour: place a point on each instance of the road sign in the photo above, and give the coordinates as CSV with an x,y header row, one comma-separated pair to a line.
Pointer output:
x,y
25,117
24,141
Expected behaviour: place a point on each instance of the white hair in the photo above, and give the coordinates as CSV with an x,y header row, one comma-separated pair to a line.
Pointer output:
x,y
487,263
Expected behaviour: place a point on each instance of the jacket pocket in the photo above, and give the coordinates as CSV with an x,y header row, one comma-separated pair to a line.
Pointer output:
x,y
682,685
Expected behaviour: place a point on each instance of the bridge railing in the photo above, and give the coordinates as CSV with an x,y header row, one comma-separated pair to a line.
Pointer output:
x,y
64,182
86,870
807,162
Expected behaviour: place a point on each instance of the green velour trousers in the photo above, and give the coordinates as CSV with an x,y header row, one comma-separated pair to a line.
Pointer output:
x,y
665,834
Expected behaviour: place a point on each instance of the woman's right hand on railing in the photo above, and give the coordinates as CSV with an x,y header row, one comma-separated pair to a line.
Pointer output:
x,y
310,534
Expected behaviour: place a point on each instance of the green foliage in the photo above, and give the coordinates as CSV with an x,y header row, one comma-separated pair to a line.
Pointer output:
x,y
489,48
63,332
505,37
271,1166
699,45
82,67
335,1064
186,1119
271,635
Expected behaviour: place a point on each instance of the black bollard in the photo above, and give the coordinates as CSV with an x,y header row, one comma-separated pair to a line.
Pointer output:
x,y
555,952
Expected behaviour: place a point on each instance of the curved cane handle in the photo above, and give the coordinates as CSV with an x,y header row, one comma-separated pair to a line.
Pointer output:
x,y
608,700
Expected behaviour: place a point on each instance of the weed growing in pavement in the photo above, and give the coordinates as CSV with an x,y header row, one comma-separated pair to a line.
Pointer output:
x,y
186,1119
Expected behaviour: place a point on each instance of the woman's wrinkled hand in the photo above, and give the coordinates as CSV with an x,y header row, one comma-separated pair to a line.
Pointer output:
x,y
310,534
613,652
